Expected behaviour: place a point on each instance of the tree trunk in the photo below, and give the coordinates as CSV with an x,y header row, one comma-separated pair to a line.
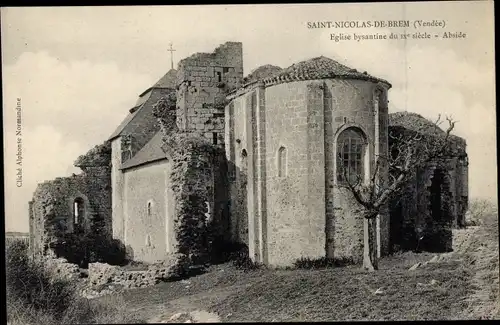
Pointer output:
x,y
370,256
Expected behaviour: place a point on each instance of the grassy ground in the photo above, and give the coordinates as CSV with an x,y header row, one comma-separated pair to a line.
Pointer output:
x,y
346,293
482,257
462,286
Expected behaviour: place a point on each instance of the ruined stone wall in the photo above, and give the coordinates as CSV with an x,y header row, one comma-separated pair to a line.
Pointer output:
x,y
350,103
204,80
295,177
52,207
149,237
432,202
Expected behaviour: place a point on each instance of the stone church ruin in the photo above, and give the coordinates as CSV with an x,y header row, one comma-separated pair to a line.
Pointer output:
x,y
259,158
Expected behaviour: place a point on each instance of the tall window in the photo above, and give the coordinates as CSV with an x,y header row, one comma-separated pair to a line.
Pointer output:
x,y
351,148
78,210
149,208
282,163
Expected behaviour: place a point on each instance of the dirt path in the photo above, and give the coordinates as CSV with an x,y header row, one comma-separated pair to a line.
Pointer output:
x,y
189,308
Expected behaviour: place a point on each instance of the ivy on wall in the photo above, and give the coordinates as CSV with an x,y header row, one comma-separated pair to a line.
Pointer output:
x,y
193,165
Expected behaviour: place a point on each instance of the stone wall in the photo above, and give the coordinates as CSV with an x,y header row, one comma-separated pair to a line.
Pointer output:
x,y
294,172
101,274
117,179
203,81
52,207
280,141
237,151
149,237
350,104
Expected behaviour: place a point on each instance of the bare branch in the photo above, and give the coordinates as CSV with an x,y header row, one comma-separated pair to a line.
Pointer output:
x,y
354,188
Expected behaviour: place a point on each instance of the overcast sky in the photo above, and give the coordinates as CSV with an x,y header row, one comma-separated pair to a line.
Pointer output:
x,y
78,71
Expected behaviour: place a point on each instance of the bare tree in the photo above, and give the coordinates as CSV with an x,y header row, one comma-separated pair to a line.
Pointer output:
x,y
408,151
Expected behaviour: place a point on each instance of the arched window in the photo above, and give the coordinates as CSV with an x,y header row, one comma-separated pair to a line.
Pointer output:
x,y
351,146
78,210
282,162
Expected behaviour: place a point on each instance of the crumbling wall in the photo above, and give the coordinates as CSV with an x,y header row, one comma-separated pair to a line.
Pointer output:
x,y
52,207
432,202
203,81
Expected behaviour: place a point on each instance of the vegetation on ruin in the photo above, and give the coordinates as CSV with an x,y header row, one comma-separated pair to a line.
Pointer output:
x,y
100,155
193,162
35,296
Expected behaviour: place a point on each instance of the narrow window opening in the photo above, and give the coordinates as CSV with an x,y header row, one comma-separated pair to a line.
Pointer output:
x,y
282,162
149,209
219,76
214,137
78,210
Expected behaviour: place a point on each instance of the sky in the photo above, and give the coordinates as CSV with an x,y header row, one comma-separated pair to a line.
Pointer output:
x,y
78,70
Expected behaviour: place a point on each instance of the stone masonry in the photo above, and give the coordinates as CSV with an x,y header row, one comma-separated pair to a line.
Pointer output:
x,y
203,81
52,210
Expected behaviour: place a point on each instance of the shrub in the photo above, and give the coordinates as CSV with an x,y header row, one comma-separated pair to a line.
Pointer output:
x,y
222,250
478,210
30,284
34,296
241,259
84,248
322,262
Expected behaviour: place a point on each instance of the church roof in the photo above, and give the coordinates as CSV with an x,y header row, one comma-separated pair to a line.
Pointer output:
x,y
122,125
262,72
167,81
318,68
151,152
415,122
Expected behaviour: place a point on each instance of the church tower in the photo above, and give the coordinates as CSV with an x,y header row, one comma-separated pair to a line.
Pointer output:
x,y
203,82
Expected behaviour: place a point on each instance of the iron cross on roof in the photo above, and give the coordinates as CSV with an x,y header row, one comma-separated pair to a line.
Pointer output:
x,y
171,50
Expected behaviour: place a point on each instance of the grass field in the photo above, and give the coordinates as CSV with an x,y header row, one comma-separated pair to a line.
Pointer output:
x,y
346,293
462,286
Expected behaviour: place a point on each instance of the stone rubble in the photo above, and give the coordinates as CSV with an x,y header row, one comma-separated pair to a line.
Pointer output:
x,y
102,279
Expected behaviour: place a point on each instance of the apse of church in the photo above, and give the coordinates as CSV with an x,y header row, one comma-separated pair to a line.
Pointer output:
x,y
283,134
